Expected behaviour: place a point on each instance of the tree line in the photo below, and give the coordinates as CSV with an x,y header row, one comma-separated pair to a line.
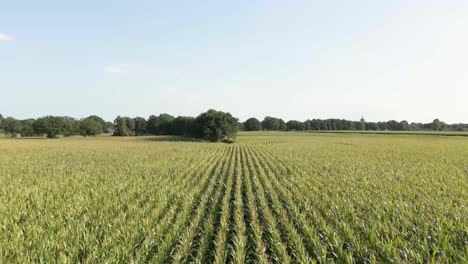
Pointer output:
x,y
211,125
278,124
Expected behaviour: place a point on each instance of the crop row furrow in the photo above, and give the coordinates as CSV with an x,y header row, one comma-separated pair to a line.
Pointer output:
x,y
160,249
258,251
156,223
240,241
163,208
278,247
292,234
220,249
207,231
188,240
332,232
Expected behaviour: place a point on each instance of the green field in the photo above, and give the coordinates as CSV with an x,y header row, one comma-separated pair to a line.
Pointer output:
x,y
269,197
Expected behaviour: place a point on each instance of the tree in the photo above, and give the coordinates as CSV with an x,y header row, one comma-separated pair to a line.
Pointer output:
x,y
160,125
252,124
152,124
140,126
98,119
27,129
1,123
437,125
109,128
216,126
123,126
458,127
272,123
269,123
404,125
183,126
51,126
371,126
71,126
240,125
362,124
282,125
295,125
91,126
12,126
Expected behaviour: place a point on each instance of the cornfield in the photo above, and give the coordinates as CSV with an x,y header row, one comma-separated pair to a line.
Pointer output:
x,y
268,198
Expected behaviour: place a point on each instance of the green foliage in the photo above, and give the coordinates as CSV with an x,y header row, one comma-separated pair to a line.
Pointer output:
x,y
362,125
71,126
124,126
216,126
404,125
108,128
252,124
27,129
272,123
140,126
51,126
437,125
12,126
91,126
98,119
160,125
183,126
273,197
1,122
295,125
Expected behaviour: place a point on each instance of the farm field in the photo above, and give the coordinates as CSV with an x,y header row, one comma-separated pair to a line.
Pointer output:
x,y
268,198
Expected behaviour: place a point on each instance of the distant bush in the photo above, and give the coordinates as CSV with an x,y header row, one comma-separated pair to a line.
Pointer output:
x,y
183,126
160,125
27,129
273,123
252,124
212,125
141,126
91,127
216,126
51,126
12,126
124,126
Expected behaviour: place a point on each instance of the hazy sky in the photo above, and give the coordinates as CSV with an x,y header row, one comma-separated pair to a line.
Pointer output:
x,y
290,59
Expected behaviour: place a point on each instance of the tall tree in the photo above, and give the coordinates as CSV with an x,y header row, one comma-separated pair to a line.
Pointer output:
x,y
12,126
91,126
109,127
362,125
98,119
1,123
183,126
273,123
140,126
71,126
252,124
27,129
160,125
123,126
51,126
216,126
404,125
295,125
436,125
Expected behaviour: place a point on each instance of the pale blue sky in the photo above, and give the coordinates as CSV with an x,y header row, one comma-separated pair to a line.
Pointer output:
x,y
290,59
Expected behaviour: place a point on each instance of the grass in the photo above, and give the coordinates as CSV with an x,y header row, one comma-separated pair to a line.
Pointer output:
x,y
268,198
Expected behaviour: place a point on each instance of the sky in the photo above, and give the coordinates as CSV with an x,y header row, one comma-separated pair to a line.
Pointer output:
x,y
384,60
